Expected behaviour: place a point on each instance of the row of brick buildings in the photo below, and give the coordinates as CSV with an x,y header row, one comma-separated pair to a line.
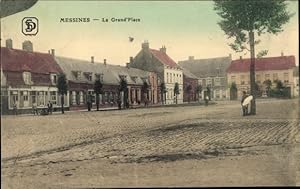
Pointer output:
x,y
218,74
29,78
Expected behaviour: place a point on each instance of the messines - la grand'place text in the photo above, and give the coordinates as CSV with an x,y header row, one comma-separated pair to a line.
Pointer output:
x,y
103,19
125,19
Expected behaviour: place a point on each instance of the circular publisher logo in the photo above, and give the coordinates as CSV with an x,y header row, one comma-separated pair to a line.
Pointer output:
x,y
30,26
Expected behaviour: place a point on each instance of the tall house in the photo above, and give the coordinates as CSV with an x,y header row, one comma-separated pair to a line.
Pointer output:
x,y
212,75
270,68
29,79
167,70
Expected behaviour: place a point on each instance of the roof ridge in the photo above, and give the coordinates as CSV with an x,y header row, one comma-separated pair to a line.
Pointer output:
x,y
26,51
289,56
195,60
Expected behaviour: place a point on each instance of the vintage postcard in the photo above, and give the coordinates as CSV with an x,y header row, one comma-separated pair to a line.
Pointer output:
x,y
106,94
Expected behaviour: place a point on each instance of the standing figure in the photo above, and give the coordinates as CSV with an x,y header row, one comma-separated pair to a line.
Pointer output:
x,y
51,107
48,107
34,109
15,108
119,102
89,102
244,108
206,100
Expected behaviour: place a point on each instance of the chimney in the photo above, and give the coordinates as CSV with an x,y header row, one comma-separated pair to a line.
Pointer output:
x,y
282,53
145,45
241,57
230,56
92,59
104,61
163,49
9,43
53,52
49,52
127,65
191,57
27,46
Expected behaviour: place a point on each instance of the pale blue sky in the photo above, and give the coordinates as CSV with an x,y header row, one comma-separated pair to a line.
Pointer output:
x,y
185,28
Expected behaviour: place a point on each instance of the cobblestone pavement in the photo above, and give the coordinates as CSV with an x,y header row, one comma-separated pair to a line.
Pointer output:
x,y
165,134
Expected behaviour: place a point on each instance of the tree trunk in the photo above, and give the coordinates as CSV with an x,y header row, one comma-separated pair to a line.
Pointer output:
x,y
125,99
176,98
252,73
97,101
62,103
162,98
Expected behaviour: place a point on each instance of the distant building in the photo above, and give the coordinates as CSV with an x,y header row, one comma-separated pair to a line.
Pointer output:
x,y
135,80
270,68
28,79
190,84
296,81
167,70
212,75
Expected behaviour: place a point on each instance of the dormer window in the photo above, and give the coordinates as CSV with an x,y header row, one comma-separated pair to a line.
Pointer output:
x,y
134,78
89,76
77,74
145,79
53,79
123,77
27,78
99,76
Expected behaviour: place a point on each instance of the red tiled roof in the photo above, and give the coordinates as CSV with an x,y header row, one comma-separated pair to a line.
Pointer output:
x,y
263,64
19,61
164,58
15,79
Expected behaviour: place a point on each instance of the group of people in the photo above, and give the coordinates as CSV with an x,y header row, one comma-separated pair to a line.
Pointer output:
x,y
47,111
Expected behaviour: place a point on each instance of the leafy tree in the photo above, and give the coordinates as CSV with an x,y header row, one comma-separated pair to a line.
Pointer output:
x,y
199,90
242,20
176,90
62,87
279,85
268,84
123,87
98,90
163,91
188,91
145,89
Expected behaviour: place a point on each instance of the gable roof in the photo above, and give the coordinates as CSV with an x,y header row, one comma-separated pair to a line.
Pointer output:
x,y
188,74
210,67
16,60
262,64
140,75
110,72
69,65
164,58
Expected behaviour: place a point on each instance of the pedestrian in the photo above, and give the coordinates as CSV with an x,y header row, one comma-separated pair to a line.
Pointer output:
x,y
51,107
206,100
89,102
119,102
34,109
244,108
48,107
15,108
